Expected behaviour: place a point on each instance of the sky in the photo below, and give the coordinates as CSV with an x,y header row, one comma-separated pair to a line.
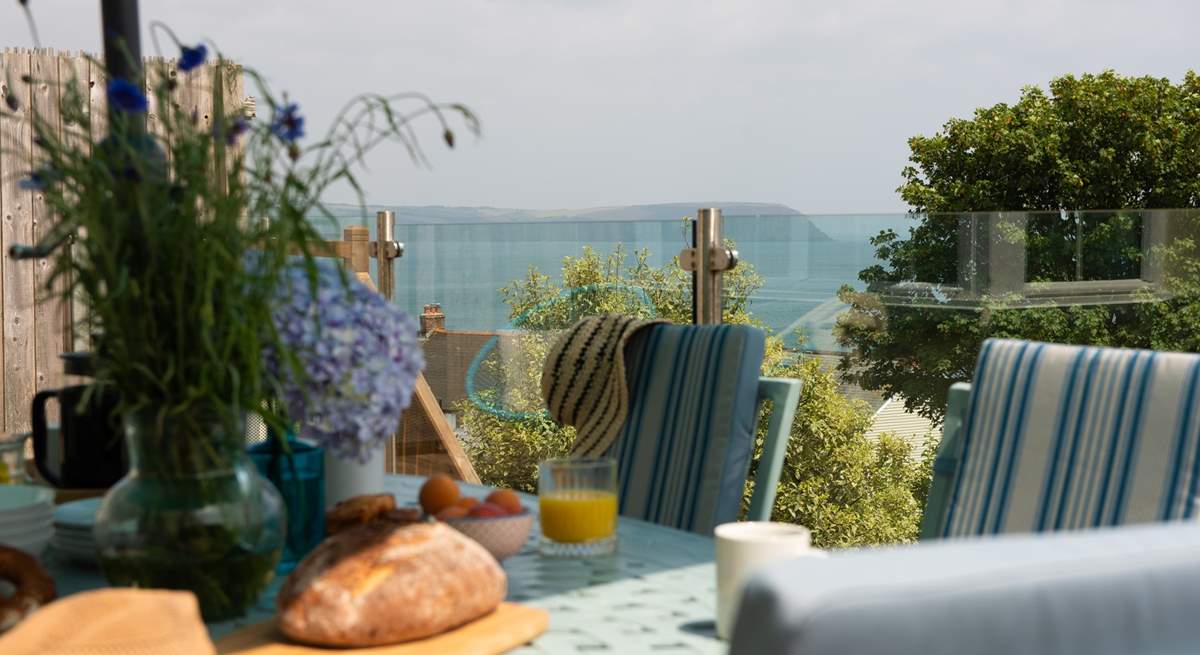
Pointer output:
x,y
613,102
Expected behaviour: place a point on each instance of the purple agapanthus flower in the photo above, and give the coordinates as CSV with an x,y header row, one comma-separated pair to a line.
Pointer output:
x,y
126,96
190,58
359,355
287,123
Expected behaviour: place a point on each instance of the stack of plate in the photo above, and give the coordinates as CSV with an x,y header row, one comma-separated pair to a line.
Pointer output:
x,y
73,529
26,517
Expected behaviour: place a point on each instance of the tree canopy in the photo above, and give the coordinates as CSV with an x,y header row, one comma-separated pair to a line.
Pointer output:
x,y
1103,142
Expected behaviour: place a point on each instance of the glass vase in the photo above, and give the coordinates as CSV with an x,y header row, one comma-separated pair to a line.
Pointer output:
x,y
192,514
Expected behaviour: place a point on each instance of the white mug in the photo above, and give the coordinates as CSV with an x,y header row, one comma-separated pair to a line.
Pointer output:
x,y
745,547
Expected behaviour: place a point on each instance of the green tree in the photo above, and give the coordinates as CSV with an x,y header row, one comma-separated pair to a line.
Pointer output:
x,y
847,489
1094,141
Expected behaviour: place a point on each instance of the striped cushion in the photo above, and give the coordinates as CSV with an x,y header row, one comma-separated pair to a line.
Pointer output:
x,y
684,450
1067,437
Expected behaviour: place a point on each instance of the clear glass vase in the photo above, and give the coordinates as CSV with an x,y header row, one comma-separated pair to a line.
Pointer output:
x,y
193,513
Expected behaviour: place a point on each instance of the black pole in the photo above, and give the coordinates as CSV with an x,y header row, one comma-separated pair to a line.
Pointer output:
x,y
122,52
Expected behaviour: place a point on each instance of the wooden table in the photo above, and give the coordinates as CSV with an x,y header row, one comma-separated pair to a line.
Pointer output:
x,y
657,593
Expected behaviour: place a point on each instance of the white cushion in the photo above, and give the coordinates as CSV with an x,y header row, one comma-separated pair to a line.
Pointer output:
x,y
1116,590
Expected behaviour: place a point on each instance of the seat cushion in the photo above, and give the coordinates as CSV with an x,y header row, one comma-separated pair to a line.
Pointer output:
x,y
1063,437
1096,592
684,450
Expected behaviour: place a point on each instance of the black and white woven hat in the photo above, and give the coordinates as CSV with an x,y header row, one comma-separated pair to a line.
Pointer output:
x,y
583,380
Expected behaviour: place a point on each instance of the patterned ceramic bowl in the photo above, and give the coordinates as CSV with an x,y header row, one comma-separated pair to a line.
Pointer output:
x,y
502,536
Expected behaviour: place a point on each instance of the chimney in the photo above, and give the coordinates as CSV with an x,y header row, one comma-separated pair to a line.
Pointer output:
x,y
432,319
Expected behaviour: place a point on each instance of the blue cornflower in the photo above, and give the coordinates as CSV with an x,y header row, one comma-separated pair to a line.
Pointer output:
x,y
288,124
126,96
190,58
38,180
232,131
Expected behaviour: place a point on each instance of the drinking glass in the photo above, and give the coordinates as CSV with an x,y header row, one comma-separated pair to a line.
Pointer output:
x,y
577,501
12,458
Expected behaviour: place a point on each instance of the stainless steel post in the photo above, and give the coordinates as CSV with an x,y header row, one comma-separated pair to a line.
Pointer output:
x,y
707,259
385,249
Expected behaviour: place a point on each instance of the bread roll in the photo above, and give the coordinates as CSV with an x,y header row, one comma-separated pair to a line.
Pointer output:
x,y
358,510
381,584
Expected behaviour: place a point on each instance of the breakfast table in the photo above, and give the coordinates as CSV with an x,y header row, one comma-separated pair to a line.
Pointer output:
x,y
656,593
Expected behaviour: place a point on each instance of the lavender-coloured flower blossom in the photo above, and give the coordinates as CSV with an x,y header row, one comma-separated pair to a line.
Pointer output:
x,y
127,96
359,355
287,123
190,58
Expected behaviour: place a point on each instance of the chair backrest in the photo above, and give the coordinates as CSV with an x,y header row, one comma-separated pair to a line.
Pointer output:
x,y
1063,437
684,451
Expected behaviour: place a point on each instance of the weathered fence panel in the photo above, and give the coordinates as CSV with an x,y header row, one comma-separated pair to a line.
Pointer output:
x,y
34,327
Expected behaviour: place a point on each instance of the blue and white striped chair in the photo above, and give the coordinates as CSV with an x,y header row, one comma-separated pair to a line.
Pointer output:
x,y
684,452
1055,437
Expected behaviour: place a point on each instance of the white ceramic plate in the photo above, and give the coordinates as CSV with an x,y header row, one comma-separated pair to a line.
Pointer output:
x,y
84,551
79,514
24,520
77,543
15,498
33,514
21,532
33,546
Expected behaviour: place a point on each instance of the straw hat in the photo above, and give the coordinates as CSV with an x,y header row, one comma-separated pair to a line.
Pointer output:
x,y
583,380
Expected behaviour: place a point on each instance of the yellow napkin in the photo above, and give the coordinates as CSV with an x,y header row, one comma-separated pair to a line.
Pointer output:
x,y
113,622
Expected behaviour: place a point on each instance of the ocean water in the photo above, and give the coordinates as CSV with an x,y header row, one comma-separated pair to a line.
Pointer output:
x,y
803,261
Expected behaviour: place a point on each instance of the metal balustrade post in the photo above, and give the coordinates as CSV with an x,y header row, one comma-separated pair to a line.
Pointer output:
x,y
122,56
707,259
385,249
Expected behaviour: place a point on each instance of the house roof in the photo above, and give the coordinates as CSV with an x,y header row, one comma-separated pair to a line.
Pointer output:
x,y
829,361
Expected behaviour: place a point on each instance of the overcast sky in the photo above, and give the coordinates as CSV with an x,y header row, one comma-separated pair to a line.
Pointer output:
x,y
596,102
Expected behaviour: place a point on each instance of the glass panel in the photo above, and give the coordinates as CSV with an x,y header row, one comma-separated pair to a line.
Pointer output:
x,y
877,314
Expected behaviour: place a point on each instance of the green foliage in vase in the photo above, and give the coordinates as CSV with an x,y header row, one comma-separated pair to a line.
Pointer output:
x,y
1092,141
180,237
849,490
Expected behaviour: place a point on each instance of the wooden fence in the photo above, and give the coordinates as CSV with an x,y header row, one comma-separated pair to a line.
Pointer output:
x,y
35,328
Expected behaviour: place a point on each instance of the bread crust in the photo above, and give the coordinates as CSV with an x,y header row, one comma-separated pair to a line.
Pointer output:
x,y
381,584
356,511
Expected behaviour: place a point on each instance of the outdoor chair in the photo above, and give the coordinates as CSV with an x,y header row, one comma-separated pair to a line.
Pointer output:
x,y
684,451
1055,437
1112,591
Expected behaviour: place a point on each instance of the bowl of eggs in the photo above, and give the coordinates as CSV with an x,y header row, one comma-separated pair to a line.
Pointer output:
x,y
498,521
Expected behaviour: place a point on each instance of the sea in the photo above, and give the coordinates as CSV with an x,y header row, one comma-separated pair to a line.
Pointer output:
x,y
803,259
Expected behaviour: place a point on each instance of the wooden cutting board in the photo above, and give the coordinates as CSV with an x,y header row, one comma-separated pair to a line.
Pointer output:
x,y
511,625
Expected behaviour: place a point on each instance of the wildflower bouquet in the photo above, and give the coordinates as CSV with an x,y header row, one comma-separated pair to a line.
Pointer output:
x,y
193,250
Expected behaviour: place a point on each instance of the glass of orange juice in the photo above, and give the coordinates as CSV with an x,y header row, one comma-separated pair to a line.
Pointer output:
x,y
577,503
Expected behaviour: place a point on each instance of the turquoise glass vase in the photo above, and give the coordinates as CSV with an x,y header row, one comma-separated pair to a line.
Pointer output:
x,y
298,472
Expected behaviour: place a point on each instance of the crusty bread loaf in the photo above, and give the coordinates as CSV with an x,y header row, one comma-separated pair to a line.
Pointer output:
x,y
381,584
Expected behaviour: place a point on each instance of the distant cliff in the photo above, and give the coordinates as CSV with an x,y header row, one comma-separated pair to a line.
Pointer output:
x,y
437,214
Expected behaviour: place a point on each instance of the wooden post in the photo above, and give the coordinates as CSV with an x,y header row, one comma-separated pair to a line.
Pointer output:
x,y
16,226
49,310
74,68
358,260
